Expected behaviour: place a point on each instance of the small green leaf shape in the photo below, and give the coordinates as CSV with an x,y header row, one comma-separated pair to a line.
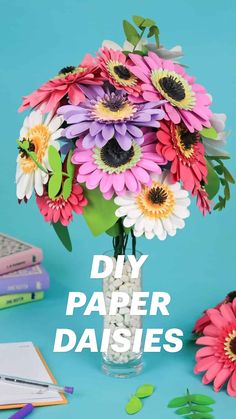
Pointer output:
x,y
54,185
210,133
67,188
138,20
178,402
183,410
145,390
213,182
54,159
63,234
131,33
202,408
133,406
201,399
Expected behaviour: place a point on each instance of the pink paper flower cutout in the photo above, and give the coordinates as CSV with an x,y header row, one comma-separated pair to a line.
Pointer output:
x,y
60,209
203,202
217,357
69,82
162,79
115,68
185,152
116,171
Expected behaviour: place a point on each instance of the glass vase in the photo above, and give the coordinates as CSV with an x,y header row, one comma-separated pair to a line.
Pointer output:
x,y
122,364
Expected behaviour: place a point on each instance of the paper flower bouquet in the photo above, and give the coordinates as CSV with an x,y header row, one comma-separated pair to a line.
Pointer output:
x,y
125,138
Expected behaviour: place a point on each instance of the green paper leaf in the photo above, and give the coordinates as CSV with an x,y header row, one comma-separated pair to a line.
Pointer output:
x,y
201,399
67,188
228,175
210,133
213,182
99,213
69,166
200,408
148,23
114,231
54,159
145,390
183,410
63,235
133,406
200,416
130,32
54,185
154,31
138,20
178,402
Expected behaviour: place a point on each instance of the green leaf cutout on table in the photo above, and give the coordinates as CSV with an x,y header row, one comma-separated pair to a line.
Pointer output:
x,y
63,235
210,133
195,406
133,406
99,213
145,390
213,182
131,33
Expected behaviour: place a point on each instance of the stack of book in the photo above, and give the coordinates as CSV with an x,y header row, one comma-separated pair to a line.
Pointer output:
x,y
22,277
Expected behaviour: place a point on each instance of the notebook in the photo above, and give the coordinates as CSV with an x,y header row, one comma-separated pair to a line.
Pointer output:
x,y
24,360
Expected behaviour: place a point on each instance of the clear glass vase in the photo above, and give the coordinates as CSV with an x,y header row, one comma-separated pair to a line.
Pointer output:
x,y
122,364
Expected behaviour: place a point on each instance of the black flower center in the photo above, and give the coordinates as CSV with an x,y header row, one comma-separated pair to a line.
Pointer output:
x,y
173,87
122,72
67,70
114,102
231,296
157,195
114,156
31,147
233,346
188,139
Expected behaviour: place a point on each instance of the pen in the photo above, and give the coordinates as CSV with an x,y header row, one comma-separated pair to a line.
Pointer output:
x,y
25,382
22,413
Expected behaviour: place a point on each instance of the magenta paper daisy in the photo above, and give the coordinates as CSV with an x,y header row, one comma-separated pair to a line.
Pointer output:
x,y
116,171
163,79
107,115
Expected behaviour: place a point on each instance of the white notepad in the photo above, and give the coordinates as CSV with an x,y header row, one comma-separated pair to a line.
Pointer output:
x,y
23,360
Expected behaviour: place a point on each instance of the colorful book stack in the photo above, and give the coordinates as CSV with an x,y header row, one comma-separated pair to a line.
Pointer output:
x,y
22,277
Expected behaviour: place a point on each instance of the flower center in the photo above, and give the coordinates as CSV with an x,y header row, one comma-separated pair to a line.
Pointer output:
x,y
122,72
38,137
158,195
23,153
157,201
231,296
173,87
230,345
114,156
113,108
114,102
186,140
67,70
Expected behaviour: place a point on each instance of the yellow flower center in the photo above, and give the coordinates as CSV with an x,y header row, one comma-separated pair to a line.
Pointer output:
x,y
230,345
185,141
39,135
121,74
156,201
104,112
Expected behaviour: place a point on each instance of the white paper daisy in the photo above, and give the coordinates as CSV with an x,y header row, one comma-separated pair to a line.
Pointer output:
x,y
41,131
158,210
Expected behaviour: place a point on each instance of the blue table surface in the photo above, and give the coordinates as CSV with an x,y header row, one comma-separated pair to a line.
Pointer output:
x,y
197,267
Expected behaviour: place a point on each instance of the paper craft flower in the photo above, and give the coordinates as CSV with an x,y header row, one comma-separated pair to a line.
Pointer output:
x,y
60,209
185,152
162,79
203,202
158,210
69,82
217,358
114,68
115,170
110,115
41,131
216,147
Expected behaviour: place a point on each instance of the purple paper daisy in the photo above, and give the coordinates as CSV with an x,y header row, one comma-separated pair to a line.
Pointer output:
x,y
116,171
110,115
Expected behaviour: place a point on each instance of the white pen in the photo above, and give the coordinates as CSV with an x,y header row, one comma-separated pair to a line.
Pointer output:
x,y
25,382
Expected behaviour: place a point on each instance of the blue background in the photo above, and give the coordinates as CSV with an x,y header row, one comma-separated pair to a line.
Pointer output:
x,y
197,267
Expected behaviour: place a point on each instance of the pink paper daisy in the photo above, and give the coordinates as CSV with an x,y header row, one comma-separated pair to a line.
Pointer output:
x,y
185,152
162,79
116,171
218,355
59,209
203,202
69,82
114,66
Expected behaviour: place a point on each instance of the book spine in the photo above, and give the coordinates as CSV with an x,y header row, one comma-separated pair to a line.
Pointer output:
x,y
18,299
21,260
31,283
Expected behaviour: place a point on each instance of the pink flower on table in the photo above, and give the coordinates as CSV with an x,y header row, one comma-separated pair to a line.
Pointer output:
x,y
116,171
217,357
187,101
60,209
115,68
185,152
69,82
